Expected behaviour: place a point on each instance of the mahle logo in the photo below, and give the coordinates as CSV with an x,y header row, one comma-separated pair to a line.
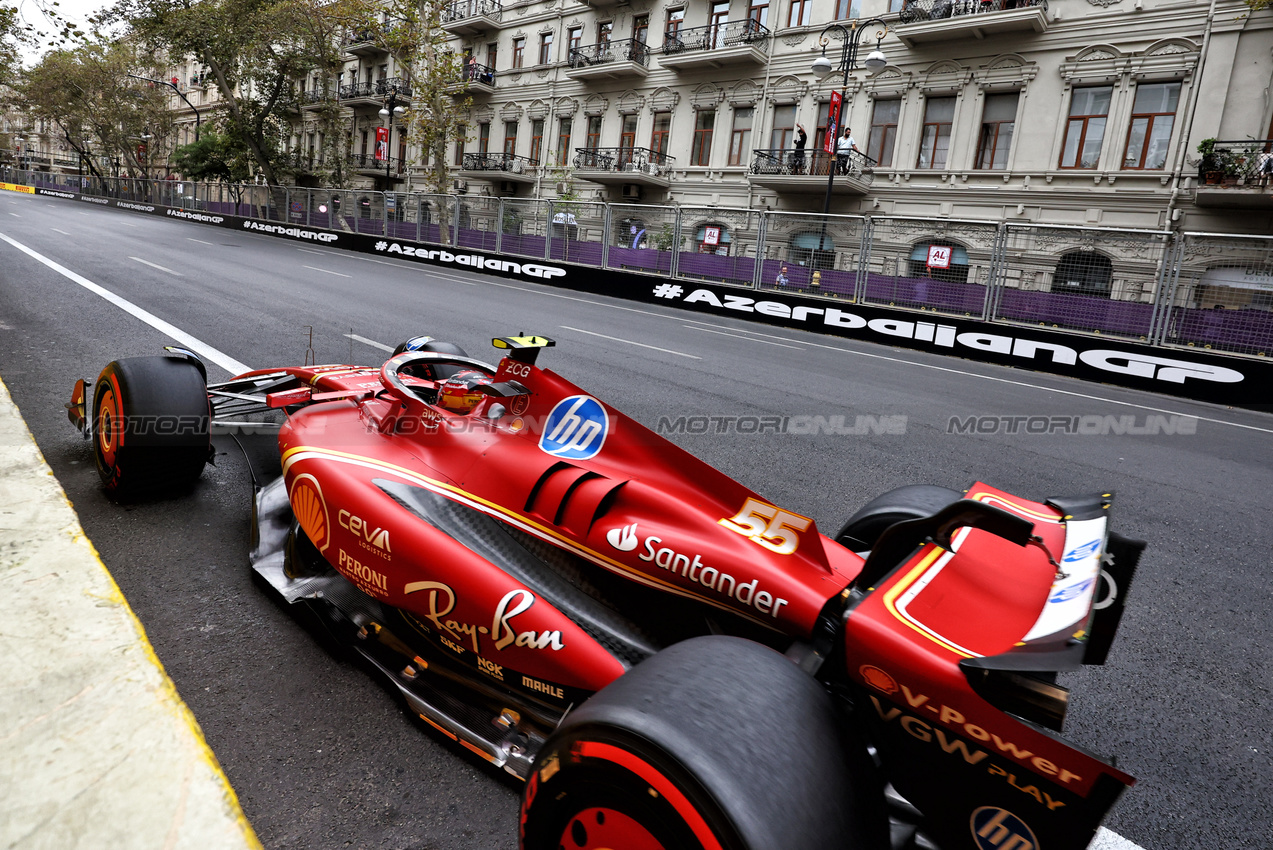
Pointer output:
x,y
623,538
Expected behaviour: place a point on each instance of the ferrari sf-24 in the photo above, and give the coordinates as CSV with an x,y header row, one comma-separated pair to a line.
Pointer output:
x,y
668,659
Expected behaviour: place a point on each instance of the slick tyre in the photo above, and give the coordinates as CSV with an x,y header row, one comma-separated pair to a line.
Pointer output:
x,y
716,742
150,425
913,501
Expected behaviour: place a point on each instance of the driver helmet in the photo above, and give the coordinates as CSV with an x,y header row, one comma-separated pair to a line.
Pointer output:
x,y
430,371
459,393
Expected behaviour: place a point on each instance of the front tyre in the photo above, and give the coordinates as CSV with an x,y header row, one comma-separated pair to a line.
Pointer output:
x,y
150,425
716,743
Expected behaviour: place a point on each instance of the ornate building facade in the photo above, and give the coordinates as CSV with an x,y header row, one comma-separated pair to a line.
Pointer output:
x,y
1079,112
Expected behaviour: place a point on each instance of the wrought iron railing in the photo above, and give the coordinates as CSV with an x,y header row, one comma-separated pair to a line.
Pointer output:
x,y
462,9
915,11
636,160
368,162
474,72
728,34
506,162
1249,162
360,36
623,50
379,88
810,162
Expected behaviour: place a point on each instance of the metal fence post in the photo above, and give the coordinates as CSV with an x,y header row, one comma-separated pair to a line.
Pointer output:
x,y
548,231
499,227
996,274
1168,281
761,232
676,247
864,260
607,223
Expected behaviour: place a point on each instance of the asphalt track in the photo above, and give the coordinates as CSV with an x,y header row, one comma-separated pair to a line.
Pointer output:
x,y
321,757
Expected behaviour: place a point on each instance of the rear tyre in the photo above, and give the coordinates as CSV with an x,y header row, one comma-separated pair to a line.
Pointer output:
x,y
150,425
863,529
716,742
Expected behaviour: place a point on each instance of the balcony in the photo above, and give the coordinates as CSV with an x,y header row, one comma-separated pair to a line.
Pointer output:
x,y
312,98
931,21
300,161
791,172
616,166
374,94
722,45
365,163
362,43
499,167
609,60
1237,176
471,17
474,79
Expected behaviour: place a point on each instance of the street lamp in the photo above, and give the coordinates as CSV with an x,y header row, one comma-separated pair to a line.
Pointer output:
x,y
174,87
389,111
822,66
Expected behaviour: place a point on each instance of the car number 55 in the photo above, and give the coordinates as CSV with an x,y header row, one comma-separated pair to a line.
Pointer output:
x,y
777,530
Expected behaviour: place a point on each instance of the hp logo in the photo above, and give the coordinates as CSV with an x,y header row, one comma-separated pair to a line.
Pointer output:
x,y
994,828
1078,553
576,428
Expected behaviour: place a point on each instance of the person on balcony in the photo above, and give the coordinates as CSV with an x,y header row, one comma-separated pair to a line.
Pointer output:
x,y
797,159
844,148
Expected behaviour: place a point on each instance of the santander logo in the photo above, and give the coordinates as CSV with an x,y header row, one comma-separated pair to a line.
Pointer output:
x,y
623,538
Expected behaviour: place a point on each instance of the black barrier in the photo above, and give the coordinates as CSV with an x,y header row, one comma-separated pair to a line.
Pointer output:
x,y
1198,375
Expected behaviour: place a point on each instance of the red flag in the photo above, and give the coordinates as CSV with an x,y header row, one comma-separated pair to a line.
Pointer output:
x,y
833,123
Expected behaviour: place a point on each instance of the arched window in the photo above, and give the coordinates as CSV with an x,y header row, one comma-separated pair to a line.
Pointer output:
x,y
813,249
924,262
1083,272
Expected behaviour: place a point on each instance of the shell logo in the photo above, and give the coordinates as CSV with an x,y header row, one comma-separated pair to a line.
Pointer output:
x,y
878,679
311,510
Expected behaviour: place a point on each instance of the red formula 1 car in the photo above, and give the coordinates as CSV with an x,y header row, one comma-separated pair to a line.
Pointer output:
x,y
668,659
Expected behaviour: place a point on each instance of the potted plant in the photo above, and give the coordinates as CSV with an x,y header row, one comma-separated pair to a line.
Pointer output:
x,y
1210,167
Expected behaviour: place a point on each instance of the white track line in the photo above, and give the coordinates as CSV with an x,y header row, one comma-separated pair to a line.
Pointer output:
x,y
1107,840
156,266
325,271
742,336
371,342
179,336
630,342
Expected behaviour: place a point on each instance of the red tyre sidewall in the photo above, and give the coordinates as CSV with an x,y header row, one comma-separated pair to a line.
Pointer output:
x,y
645,802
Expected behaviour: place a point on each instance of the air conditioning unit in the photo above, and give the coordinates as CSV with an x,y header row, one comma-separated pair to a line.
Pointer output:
x,y
563,188
632,192
461,187
507,187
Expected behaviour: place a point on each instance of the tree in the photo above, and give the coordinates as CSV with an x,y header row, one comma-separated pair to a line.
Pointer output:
x,y
214,157
411,32
254,51
87,94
